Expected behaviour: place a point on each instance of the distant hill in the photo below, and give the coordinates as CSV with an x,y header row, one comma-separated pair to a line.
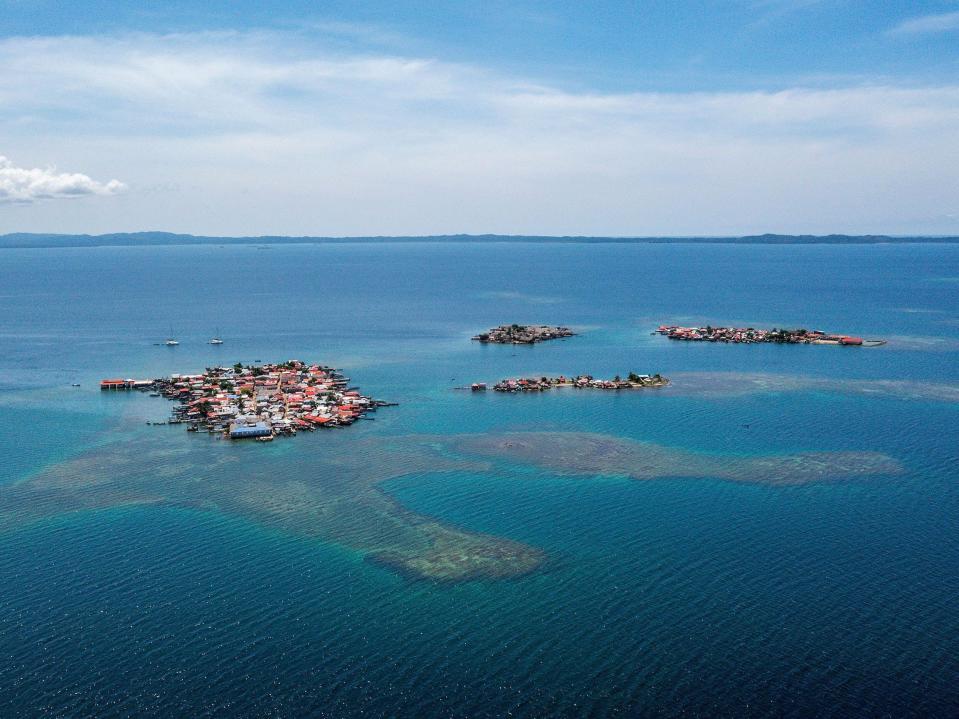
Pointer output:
x,y
133,239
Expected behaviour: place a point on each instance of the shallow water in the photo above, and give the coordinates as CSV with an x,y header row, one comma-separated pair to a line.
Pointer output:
x,y
148,571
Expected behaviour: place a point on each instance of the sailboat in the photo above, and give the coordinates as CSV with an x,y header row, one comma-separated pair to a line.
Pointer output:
x,y
170,341
216,338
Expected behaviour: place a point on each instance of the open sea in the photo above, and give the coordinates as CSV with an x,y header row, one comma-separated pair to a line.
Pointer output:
x,y
690,563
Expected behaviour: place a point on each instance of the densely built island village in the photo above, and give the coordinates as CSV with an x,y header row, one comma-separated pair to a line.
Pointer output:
x,y
522,334
531,334
583,381
258,401
749,335
263,401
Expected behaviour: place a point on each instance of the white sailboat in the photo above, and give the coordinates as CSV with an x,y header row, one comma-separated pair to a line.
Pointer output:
x,y
216,338
170,341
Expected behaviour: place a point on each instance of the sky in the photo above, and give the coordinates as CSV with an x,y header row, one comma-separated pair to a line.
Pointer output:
x,y
717,117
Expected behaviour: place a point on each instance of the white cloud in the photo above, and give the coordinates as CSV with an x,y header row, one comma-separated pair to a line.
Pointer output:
x,y
943,22
268,133
22,185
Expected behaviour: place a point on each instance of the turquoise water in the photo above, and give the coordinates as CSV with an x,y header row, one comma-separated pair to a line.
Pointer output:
x,y
145,571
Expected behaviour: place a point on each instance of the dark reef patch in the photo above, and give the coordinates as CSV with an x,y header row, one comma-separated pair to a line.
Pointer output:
x,y
338,498
584,454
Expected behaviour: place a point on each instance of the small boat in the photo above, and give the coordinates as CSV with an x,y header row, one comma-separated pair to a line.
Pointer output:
x,y
216,338
267,438
170,341
75,384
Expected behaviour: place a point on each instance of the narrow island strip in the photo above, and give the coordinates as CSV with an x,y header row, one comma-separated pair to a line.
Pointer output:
x,y
583,381
258,401
750,335
522,334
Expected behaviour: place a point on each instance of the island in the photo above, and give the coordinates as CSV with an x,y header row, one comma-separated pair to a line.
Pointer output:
x,y
583,381
749,335
258,401
522,334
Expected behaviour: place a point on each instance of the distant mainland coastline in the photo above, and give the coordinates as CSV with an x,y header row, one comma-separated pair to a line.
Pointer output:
x,y
153,239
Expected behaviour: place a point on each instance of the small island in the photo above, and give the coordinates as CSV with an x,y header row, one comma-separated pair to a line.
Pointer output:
x,y
749,335
583,381
522,334
258,401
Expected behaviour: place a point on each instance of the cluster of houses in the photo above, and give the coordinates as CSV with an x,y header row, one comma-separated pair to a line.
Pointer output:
x,y
749,335
522,334
262,401
584,381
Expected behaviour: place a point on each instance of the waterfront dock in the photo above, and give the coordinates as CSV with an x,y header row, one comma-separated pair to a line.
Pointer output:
x,y
116,385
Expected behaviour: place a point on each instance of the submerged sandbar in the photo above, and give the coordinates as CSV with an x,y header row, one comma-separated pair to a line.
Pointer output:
x,y
338,496
590,454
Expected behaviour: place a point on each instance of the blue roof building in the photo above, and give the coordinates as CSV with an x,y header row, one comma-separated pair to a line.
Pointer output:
x,y
242,431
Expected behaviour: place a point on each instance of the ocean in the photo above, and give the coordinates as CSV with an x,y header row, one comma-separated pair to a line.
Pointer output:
x,y
774,534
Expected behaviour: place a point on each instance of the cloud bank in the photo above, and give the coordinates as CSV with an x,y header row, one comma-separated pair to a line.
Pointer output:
x,y
943,22
246,133
23,186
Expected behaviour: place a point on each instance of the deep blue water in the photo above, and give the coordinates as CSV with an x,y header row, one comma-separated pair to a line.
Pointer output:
x,y
679,596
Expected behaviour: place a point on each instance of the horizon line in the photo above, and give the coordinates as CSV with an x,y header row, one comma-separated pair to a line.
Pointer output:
x,y
40,240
